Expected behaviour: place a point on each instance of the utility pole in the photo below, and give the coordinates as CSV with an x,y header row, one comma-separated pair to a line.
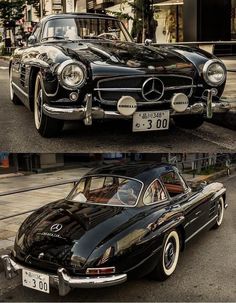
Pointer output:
x,y
41,9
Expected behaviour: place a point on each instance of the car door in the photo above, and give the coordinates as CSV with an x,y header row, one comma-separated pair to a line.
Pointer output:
x,y
193,204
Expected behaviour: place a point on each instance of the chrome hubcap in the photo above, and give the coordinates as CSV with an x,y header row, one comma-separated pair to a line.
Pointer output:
x,y
169,254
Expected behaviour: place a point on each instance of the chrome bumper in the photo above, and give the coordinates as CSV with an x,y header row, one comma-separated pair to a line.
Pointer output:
x,y
88,112
62,281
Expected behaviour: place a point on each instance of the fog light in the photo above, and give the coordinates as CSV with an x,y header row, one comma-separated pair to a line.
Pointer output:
x,y
74,96
179,102
127,106
101,271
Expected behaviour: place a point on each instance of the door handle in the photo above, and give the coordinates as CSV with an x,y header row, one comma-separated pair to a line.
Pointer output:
x,y
198,213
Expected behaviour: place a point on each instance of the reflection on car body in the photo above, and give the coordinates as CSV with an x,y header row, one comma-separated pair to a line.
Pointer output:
x,y
119,221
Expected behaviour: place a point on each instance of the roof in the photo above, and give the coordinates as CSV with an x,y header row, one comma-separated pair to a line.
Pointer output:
x,y
87,15
142,171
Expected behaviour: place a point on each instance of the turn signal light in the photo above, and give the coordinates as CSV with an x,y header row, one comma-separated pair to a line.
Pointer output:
x,y
101,271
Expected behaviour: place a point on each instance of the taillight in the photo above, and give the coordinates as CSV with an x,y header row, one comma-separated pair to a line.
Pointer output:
x,y
101,271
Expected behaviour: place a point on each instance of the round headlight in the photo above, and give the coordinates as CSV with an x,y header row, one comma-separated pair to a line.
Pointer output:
x,y
214,73
71,74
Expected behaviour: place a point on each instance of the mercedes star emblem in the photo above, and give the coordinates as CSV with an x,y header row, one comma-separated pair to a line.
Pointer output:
x,y
153,89
56,228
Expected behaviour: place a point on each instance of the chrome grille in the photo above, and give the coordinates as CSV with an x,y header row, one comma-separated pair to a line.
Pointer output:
x,y
112,89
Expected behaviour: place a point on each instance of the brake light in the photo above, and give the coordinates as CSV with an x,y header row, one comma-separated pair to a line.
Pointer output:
x,y
101,271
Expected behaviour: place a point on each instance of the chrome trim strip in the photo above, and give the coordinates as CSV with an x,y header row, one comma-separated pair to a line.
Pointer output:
x,y
201,228
139,90
20,90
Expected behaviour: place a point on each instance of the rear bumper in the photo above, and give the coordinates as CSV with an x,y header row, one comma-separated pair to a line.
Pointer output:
x,y
62,281
88,113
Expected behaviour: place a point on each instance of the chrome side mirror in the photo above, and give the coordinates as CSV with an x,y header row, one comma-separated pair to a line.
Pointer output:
x,y
32,40
203,184
148,42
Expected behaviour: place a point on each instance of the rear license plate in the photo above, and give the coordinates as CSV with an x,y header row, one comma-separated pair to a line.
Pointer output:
x,y
147,121
35,280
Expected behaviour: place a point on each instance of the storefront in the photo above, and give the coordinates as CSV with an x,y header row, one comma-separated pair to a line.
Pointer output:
x,y
169,19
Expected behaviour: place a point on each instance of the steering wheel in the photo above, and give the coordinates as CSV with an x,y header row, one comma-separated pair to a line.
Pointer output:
x,y
126,195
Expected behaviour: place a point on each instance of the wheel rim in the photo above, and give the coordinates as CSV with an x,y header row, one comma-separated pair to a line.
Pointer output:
x,y
220,212
171,253
10,85
38,103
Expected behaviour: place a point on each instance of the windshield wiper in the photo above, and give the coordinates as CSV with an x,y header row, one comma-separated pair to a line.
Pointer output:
x,y
54,37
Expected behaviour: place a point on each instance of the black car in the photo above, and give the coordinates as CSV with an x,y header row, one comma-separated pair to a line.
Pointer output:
x,y
118,222
87,67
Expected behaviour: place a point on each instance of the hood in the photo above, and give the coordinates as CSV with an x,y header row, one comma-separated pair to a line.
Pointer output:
x,y
65,230
129,56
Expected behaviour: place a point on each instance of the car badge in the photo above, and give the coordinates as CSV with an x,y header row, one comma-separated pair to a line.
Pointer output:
x,y
153,89
55,228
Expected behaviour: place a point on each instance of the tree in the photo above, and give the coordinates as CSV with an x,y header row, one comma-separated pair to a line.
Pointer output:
x,y
143,22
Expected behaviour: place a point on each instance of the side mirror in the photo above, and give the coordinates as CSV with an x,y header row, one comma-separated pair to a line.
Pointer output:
x,y
32,40
148,42
135,40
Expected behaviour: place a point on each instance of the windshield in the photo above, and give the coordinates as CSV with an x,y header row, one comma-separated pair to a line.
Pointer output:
x,y
106,190
75,28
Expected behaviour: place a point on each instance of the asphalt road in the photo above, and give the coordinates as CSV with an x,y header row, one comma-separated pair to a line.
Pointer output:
x,y
18,134
206,272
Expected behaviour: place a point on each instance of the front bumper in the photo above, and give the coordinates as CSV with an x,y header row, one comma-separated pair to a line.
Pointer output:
x,y
87,113
62,281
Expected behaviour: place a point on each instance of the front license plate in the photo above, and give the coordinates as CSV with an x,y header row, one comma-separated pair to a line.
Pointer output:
x,y
35,280
147,121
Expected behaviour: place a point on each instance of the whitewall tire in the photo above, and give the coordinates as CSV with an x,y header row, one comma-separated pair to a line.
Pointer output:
x,y
220,213
168,258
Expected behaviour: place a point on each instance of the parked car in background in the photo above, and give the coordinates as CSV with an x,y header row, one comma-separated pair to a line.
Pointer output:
x,y
87,67
118,222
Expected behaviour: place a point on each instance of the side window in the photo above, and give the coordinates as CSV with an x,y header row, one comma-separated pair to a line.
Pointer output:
x,y
155,193
174,185
109,181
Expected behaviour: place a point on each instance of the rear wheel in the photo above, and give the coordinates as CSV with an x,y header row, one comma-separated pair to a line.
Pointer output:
x,y
168,258
46,126
189,122
13,96
220,213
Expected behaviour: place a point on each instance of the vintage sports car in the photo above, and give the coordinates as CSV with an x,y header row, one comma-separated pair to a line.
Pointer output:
x,y
87,67
119,221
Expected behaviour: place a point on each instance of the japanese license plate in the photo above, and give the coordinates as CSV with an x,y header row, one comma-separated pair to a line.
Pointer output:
x,y
147,121
35,280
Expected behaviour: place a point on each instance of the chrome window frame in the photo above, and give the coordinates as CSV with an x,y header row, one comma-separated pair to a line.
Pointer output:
x,y
160,201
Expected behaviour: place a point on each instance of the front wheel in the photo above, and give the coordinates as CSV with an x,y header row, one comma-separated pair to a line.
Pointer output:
x,y
220,213
189,122
168,258
46,126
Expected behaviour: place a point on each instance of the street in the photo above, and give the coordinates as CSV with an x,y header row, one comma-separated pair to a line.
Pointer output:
x,y
18,133
206,272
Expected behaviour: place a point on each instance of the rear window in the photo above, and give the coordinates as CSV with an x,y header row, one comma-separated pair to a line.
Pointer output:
x,y
107,190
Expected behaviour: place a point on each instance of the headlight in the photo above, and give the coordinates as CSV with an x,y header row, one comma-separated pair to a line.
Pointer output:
x,y
71,74
214,72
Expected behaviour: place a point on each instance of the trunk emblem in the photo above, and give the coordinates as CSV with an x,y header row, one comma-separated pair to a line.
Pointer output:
x,y
56,228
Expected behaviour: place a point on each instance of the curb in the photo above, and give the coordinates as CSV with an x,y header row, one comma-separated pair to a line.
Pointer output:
x,y
11,175
5,58
210,178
